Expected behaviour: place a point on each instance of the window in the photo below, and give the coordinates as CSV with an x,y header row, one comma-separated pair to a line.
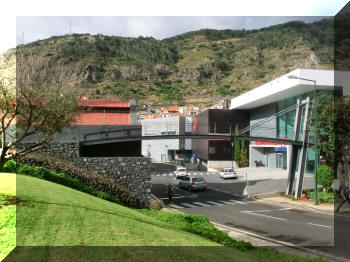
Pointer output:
x,y
168,133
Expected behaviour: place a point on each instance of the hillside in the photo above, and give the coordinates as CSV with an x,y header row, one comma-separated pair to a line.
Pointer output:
x,y
199,66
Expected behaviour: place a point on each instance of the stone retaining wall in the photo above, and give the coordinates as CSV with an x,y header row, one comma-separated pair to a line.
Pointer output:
x,y
131,172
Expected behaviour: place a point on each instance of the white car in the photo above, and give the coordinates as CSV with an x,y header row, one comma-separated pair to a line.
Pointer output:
x,y
228,173
180,172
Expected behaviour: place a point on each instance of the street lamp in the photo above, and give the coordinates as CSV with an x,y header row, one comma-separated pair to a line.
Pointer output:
x,y
315,120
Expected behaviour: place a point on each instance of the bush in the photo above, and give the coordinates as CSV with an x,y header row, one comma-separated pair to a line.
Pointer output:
x,y
10,166
199,225
322,196
85,177
157,205
325,176
72,176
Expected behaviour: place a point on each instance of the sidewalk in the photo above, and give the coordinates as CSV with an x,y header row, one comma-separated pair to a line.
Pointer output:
x,y
305,204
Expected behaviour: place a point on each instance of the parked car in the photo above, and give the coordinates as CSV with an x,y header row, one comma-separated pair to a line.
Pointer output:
x,y
228,173
180,172
193,183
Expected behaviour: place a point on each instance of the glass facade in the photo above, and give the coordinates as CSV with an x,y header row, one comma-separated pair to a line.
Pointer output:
x,y
285,125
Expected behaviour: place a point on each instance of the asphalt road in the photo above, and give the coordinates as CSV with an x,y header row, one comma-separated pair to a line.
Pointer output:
x,y
223,203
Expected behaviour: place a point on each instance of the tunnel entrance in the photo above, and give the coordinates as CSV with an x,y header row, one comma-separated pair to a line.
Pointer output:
x,y
117,149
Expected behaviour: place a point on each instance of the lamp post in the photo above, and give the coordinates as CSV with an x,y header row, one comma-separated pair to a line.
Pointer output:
x,y
315,120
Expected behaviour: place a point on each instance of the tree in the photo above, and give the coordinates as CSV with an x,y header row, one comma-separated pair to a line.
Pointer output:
x,y
324,176
333,128
35,103
237,153
243,157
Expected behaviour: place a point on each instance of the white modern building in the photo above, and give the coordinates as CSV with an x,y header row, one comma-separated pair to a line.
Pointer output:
x,y
165,150
277,95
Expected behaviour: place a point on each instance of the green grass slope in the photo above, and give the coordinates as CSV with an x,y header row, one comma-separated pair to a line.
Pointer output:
x,y
52,215
55,215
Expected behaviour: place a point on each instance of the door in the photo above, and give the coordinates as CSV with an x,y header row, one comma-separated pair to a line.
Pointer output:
x,y
279,161
163,158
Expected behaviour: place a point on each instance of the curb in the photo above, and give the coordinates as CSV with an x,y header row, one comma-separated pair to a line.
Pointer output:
x,y
267,239
281,243
295,205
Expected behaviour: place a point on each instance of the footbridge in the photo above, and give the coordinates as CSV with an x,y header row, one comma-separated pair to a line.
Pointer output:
x,y
299,141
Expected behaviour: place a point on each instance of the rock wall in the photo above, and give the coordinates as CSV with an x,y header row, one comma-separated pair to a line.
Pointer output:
x,y
131,172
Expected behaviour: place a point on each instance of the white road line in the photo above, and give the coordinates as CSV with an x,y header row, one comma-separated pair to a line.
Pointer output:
x,y
157,175
170,174
270,210
215,203
176,206
188,205
164,174
255,214
319,225
173,197
201,204
201,174
227,202
239,202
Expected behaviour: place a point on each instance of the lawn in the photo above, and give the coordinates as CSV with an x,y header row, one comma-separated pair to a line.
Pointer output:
x,y
7,214
55,215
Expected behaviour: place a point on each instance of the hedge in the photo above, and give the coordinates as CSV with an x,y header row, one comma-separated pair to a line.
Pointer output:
x,y
81,180
199,225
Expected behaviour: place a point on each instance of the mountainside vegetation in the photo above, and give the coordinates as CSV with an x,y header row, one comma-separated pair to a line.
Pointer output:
x,y
196,67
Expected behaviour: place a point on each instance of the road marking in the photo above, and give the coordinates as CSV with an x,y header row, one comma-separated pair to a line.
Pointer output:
x,y
201,174
318,225
238,202
157,175
170,174
176,206
173,197
252,213
270,210
227,202
188,205
164,174
215,203
201,204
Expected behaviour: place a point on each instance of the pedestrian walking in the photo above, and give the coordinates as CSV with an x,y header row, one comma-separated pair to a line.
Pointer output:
x,y
344,196
170,193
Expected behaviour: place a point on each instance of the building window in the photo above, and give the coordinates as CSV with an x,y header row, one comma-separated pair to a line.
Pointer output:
x,y
212,150
168,133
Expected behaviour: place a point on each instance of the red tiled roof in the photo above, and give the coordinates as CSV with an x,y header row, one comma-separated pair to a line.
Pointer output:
x,y
104,103
172,109
101,118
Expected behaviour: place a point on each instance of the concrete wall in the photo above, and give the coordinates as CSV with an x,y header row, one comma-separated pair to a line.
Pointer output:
x,y
131,172
157,149
220,164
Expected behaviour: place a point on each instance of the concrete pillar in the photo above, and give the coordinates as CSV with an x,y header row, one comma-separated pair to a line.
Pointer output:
x,y
303,153
294,151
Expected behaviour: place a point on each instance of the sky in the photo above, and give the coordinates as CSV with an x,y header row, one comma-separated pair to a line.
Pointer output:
x,y
39,19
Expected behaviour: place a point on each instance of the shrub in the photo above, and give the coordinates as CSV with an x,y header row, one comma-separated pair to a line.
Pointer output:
x,y
85,177
10,166
199,225
325,176
156,205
